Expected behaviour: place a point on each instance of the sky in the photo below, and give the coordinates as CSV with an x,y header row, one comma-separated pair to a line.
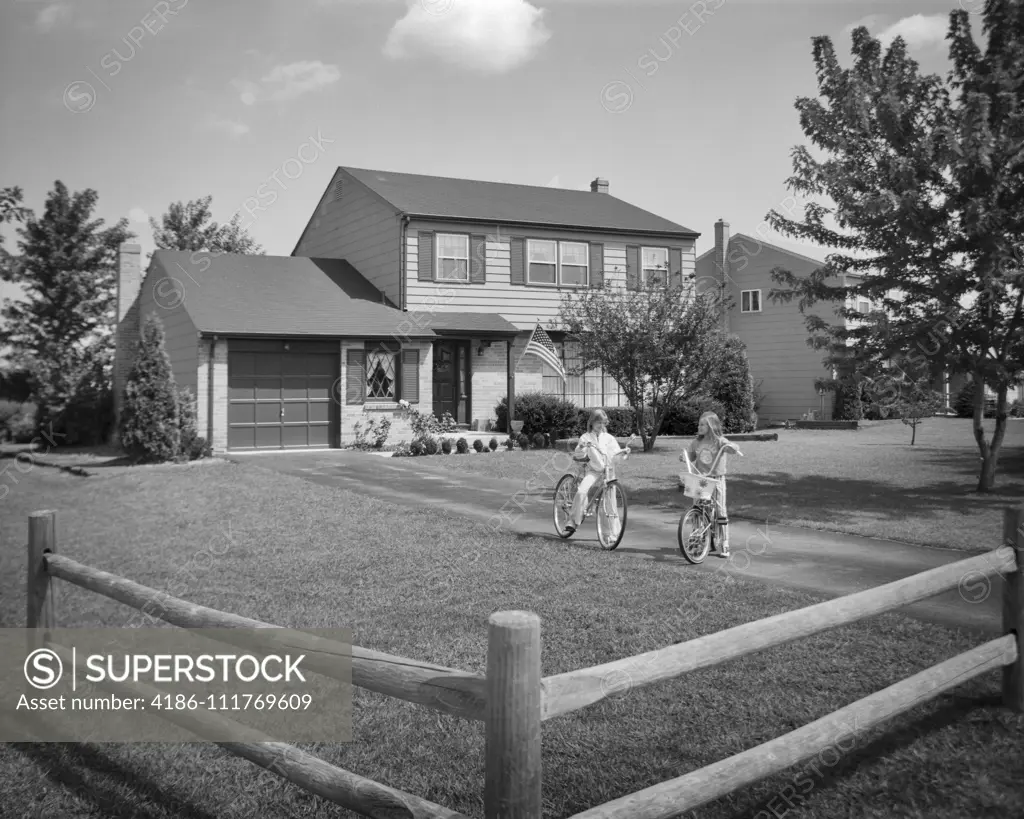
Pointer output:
x,y
686,108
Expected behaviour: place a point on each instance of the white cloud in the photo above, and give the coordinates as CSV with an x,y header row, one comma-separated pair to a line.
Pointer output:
x,y
918,31
50,16
138,215
285,82
494,36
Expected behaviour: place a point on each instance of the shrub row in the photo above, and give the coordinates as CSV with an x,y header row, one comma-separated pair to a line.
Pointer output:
x,y
557,418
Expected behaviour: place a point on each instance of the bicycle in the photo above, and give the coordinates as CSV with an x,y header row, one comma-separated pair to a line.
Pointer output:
x,y
700,526
607,500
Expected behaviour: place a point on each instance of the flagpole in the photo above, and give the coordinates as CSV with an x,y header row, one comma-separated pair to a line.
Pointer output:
x,y
520,361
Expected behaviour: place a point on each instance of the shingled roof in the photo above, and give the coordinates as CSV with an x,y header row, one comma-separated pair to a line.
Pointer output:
x,y
472,200
233,293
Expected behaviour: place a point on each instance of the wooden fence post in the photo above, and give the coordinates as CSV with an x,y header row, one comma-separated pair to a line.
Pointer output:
x,y
512,787
1013,609
42,538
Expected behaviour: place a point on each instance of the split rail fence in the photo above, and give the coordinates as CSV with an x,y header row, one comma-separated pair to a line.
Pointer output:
x,y
513,699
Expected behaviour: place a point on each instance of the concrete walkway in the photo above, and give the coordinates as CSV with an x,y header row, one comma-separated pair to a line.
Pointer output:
x,y
825,563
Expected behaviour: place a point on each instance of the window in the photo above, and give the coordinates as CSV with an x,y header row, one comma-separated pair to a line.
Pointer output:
x,y
381,374
566,264
863,306
575,263
750,301
543,265
589,388
453,257
654,264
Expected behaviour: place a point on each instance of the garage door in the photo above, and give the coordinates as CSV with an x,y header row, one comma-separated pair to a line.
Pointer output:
x,y
281,398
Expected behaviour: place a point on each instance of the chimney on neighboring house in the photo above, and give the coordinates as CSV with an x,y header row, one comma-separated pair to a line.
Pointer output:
x,y
126,329
599,185
722,263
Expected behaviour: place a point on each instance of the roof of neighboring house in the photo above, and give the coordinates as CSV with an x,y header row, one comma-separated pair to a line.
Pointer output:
x,y
468,199
453,322
763,243
234,293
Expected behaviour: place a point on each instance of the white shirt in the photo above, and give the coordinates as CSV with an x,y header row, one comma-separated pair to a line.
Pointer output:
x,y
604,448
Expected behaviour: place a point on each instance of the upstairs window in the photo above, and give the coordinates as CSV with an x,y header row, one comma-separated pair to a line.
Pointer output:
x,y
453,257
575,263
563,264
654,265
543,262
750,301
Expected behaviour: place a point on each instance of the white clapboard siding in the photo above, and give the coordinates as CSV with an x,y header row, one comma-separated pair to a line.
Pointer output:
x,y
521,305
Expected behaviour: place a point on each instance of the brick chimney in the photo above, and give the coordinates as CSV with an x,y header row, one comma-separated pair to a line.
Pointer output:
x,y
722,263
599,185
126,330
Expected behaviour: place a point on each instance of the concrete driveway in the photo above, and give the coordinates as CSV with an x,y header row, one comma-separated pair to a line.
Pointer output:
x,y
821,562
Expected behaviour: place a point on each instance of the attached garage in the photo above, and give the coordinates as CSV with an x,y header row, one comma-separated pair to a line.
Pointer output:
x,y
260,341
280,394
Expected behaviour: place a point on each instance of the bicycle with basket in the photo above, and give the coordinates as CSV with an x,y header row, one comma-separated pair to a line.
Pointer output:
x,y
699,526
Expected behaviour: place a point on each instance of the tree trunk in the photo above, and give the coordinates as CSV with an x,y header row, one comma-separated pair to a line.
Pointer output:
x,y
913,433
989,449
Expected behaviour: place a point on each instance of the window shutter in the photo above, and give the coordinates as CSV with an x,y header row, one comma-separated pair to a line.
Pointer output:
x,y
425,260
517,260
597,265
675,267
478,259
632,267
411,376
355,377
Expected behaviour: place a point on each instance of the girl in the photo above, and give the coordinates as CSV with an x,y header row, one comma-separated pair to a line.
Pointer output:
x,y
702,453
601,448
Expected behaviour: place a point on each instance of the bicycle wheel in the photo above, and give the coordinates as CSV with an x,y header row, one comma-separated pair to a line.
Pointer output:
x,y
565,493
611,516
694,535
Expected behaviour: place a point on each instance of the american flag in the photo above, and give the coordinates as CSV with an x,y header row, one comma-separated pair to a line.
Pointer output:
x,y
543,347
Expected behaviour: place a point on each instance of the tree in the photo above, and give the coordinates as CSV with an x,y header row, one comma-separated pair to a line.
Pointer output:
x,y
916,402
660,344
733,386
191,227
924,182
62,331
151,421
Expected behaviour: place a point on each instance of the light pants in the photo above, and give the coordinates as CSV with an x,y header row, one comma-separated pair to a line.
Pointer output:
x,y
722,513
579,503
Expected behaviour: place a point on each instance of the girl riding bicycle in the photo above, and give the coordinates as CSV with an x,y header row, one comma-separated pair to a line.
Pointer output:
x,y
709,445
601,448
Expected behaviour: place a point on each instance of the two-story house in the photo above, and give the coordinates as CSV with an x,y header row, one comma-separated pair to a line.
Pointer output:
x,y
775,333
739,266
401,288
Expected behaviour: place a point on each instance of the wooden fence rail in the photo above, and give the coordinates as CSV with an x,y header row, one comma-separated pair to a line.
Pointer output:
x,y
436,687
513,699
443,689
573,690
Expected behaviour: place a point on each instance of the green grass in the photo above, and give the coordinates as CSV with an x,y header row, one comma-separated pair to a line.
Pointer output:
x,y
869,482
306,556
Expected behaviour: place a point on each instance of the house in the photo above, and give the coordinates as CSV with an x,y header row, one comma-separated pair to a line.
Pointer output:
x,y
401,288
775,333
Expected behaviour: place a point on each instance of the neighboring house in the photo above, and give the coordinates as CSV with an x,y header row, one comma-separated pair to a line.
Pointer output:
x,y
775,333
402,287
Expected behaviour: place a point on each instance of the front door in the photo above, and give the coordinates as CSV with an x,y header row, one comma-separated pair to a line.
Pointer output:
x,y
451,379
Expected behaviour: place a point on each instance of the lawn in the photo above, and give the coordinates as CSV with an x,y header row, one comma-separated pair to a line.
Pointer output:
x,y
867,482
306,556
